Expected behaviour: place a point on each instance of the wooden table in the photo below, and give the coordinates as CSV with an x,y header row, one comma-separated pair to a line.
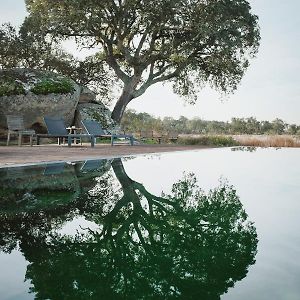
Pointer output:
x,y
75,130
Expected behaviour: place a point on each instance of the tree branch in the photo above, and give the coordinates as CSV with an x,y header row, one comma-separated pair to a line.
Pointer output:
x,y
112,62
141,43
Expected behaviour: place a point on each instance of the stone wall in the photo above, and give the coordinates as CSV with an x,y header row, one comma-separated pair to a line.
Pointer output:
x,y
34,107
93,111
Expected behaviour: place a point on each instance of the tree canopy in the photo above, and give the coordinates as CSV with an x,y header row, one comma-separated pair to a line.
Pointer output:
x,y
187,42
26,48
133,121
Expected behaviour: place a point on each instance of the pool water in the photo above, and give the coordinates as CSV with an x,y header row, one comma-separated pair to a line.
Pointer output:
x,y
208,224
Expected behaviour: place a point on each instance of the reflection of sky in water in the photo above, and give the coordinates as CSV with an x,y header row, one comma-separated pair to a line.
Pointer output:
x,y
12,274
78,225
267,182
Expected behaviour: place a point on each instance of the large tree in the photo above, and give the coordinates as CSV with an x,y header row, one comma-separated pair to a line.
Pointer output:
x,y
187,42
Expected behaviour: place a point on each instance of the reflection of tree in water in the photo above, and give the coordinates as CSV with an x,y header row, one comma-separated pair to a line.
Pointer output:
x,y
244,148
186,245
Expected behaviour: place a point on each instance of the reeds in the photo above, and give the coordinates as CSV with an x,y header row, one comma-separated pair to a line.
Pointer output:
x,y
268,141
276,141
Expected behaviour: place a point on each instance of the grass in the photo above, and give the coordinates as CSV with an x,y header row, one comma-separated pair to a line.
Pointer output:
x,y
149,141
268,141
277,141
103,140
208,140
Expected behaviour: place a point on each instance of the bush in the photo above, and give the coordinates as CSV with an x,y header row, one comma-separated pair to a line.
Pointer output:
x,y
217,140
48,86
150,141
9,87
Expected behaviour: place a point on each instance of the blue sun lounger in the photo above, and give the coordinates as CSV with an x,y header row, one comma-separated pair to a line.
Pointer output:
x,y
94,128
57,129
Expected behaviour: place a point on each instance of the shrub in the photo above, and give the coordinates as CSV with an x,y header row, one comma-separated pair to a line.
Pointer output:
x,y
9,87
150,141
207,140
48,86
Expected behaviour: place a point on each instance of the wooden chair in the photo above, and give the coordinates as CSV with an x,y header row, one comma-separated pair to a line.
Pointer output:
x,y
15,125
150,135
171,136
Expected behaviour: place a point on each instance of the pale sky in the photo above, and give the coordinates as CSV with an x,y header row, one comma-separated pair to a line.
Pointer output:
x,y
270,88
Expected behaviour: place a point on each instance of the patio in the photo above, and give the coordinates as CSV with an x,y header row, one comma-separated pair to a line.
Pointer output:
x,y
14,155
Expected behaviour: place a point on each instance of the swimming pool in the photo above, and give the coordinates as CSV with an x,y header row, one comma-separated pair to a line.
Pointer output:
x,y
209,224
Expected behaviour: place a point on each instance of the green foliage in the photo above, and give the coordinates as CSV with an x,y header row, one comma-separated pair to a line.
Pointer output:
x,y
134,122
9,87
220,141
150,141
28,48
48,86
20,81
103,141
189,43
94,115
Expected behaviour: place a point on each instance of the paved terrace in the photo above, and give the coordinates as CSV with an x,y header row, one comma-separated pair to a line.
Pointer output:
x,y
14,155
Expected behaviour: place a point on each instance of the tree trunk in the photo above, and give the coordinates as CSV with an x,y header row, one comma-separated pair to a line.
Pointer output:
x,y
121,174
125,98
120,106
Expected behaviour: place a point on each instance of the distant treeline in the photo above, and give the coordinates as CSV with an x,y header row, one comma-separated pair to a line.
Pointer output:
x,y
134,122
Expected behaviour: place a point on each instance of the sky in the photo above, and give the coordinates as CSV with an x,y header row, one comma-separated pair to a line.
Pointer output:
x,y
270,89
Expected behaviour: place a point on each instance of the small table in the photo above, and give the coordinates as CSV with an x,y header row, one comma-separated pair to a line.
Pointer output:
x,y
75,130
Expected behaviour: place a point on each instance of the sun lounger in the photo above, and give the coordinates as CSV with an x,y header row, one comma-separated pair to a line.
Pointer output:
x,y
93,165
54,168
94,128
56,129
